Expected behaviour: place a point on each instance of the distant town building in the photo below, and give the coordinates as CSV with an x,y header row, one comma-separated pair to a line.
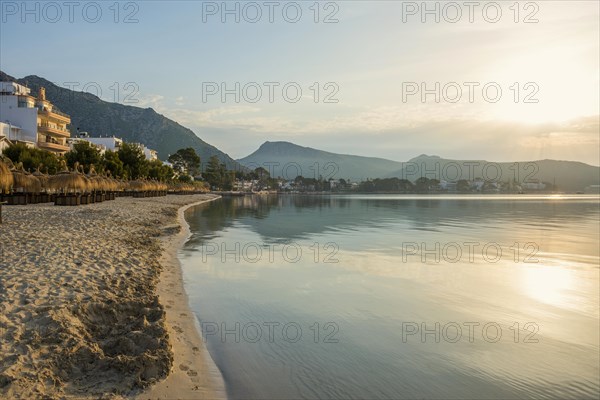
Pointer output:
x,y
592,189
477,184
39,122
448,186
533,184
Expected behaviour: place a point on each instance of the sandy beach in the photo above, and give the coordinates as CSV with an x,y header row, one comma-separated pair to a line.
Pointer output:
x,y
92,303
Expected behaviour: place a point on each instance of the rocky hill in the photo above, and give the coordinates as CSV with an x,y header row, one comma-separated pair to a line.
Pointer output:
x,y
133,124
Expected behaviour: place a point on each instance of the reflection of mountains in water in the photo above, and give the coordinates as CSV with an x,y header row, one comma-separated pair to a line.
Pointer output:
x,y
298,216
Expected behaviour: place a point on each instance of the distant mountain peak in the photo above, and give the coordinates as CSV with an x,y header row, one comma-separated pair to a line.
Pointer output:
x,y
285,148
430,157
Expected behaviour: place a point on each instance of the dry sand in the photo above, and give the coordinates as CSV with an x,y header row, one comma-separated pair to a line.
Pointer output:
x,y
92,304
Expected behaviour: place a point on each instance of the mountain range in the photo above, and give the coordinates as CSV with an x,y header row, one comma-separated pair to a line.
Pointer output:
x,y
288,160
91,114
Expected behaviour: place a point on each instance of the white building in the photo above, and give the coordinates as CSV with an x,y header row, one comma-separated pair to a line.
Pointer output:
x,y
4,136
39,122
149,153
533,184
73,141
17,108
109,143
449,186
114,144
14,134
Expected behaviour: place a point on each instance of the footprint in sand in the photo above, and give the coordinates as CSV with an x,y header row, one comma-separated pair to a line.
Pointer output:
x,y
191,372
177,329
184,367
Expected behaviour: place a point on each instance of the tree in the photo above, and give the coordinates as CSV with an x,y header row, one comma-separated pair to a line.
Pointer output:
x,y
462,185
262,173
184,178
157,170
32,158
228,179
134,161
405,186
213,174
263,177
186,161
85,154
113,163
423,184
366,186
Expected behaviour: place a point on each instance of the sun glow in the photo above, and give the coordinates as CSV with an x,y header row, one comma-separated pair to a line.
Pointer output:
x,y
551,85
547,284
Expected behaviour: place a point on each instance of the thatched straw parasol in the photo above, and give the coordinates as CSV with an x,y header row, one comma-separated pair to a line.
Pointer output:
x,y
68,182
43,178
88,182
98,182
6,178
122,184
24,181
111,183
137,185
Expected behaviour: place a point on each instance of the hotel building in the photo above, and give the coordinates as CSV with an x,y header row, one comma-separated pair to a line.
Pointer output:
x,y
40,123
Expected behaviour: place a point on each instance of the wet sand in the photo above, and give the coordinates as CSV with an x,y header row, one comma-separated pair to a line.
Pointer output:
x,y
92,303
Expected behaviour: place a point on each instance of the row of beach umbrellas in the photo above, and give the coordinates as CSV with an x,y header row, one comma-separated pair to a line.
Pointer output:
x,y
15,178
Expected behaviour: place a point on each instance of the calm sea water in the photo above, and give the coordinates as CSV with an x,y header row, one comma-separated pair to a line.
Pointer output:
x,y
397,296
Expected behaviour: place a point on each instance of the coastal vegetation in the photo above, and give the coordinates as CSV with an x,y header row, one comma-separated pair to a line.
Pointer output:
x,y
86,175
128,162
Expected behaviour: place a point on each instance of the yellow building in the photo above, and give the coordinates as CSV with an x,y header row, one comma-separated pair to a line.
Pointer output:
x,y
52,133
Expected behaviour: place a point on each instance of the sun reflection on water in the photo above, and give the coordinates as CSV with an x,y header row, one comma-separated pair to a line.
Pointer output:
x,y
548,284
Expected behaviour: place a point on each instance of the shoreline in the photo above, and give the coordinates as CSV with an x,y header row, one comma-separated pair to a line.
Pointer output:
x,y
92,303
194,374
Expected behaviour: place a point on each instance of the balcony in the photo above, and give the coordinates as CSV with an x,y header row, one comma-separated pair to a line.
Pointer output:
x,y
56,131
55,114
53,146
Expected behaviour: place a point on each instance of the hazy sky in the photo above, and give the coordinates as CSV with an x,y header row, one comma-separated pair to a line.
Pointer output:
x,y
374,62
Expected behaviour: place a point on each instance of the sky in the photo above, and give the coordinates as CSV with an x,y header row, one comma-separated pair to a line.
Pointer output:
x,y
496,80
